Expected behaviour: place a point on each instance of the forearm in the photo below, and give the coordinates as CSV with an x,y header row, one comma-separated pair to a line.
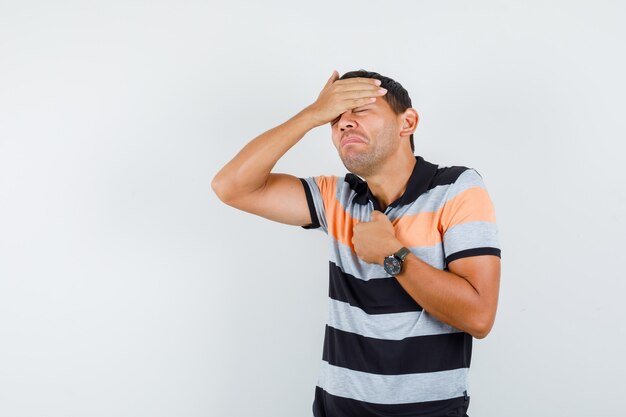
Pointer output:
x,y
250,168
447,296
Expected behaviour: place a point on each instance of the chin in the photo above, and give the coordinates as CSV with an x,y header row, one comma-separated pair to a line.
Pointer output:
x,y
360,168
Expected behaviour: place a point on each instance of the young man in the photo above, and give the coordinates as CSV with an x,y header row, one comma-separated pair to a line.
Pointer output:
x,y
415,259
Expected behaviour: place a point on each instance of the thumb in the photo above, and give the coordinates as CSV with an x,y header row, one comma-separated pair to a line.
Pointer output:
x,y
334,77
376,215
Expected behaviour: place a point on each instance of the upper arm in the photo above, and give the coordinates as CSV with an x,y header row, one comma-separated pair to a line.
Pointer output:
x,y
471,245
483,273
281,199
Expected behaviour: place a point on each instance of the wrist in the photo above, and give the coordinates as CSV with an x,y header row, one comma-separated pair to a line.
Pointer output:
x,y
391,247
394,263
310,116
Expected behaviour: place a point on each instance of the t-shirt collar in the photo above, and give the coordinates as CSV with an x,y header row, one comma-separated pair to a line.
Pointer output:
x,y
419,182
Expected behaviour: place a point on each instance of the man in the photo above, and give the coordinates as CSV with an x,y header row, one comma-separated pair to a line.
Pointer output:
x,y
415,260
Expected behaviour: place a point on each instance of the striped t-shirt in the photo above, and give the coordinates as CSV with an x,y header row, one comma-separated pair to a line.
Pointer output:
x,y
383,354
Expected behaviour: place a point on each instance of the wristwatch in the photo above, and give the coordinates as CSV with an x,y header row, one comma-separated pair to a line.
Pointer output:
x,y
393,263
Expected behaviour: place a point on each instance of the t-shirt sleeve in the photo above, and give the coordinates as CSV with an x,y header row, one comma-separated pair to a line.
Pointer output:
x,y
468,221
315,188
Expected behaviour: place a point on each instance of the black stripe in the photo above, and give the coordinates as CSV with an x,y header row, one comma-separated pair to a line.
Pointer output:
x,y
419,182
424,177
376,296
359,187
328,405
309,199
473,252
447,175
411,355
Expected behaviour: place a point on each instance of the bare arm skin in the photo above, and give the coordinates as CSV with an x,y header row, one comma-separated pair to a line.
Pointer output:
x,y
465,296
247,183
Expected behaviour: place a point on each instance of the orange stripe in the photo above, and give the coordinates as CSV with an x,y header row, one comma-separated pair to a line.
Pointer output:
x,y
328,188
472,205
420,229
340,223
427,228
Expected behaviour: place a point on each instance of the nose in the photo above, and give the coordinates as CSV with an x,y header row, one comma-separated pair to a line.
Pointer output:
x,y
346,122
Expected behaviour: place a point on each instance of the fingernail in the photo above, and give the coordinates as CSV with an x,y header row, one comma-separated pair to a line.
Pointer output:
x,y
377,82
382,90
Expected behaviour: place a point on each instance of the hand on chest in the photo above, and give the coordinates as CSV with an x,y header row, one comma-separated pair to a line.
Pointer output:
x,y
375,239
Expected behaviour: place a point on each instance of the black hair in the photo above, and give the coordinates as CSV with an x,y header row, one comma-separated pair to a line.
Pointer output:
x,y
397,96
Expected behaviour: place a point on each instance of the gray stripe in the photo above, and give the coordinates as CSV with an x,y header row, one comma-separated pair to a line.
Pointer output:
x,y
435,198
344,195
431,201
470,235
468,179
432,255
343,256
318,202
392,389
396,326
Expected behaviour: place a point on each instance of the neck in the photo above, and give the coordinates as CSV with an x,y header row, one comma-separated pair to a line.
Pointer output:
x,y
390,181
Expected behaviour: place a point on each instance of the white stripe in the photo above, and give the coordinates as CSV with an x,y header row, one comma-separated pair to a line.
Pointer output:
x,y
392,389
394,326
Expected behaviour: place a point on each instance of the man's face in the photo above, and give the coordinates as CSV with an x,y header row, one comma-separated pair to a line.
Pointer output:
x,y
366,137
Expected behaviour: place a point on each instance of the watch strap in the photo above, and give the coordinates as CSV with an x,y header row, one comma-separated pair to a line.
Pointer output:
x,y
402,253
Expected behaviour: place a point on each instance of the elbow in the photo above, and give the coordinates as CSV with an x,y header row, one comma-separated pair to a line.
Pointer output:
x,y
229,187
481,327
220,187
217,187
480,333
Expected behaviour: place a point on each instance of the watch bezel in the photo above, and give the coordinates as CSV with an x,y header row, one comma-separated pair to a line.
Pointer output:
x,y
392,265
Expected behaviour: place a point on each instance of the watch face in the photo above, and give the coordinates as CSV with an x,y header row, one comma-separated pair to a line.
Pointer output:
x,y
392,265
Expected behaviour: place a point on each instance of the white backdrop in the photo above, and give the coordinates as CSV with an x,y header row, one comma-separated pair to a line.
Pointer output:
x,y
128,289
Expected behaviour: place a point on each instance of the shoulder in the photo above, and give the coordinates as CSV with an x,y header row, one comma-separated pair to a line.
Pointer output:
x,y
446,175
320,182
458,178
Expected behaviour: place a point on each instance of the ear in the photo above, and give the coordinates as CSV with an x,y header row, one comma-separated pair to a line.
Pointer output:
x,y
410,118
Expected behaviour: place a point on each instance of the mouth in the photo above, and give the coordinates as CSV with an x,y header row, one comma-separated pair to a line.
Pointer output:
x,y
351,139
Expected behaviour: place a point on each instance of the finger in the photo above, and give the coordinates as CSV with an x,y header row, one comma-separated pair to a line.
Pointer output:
x,y
357,94
356,83
334,77
354,103
373,81
340,88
